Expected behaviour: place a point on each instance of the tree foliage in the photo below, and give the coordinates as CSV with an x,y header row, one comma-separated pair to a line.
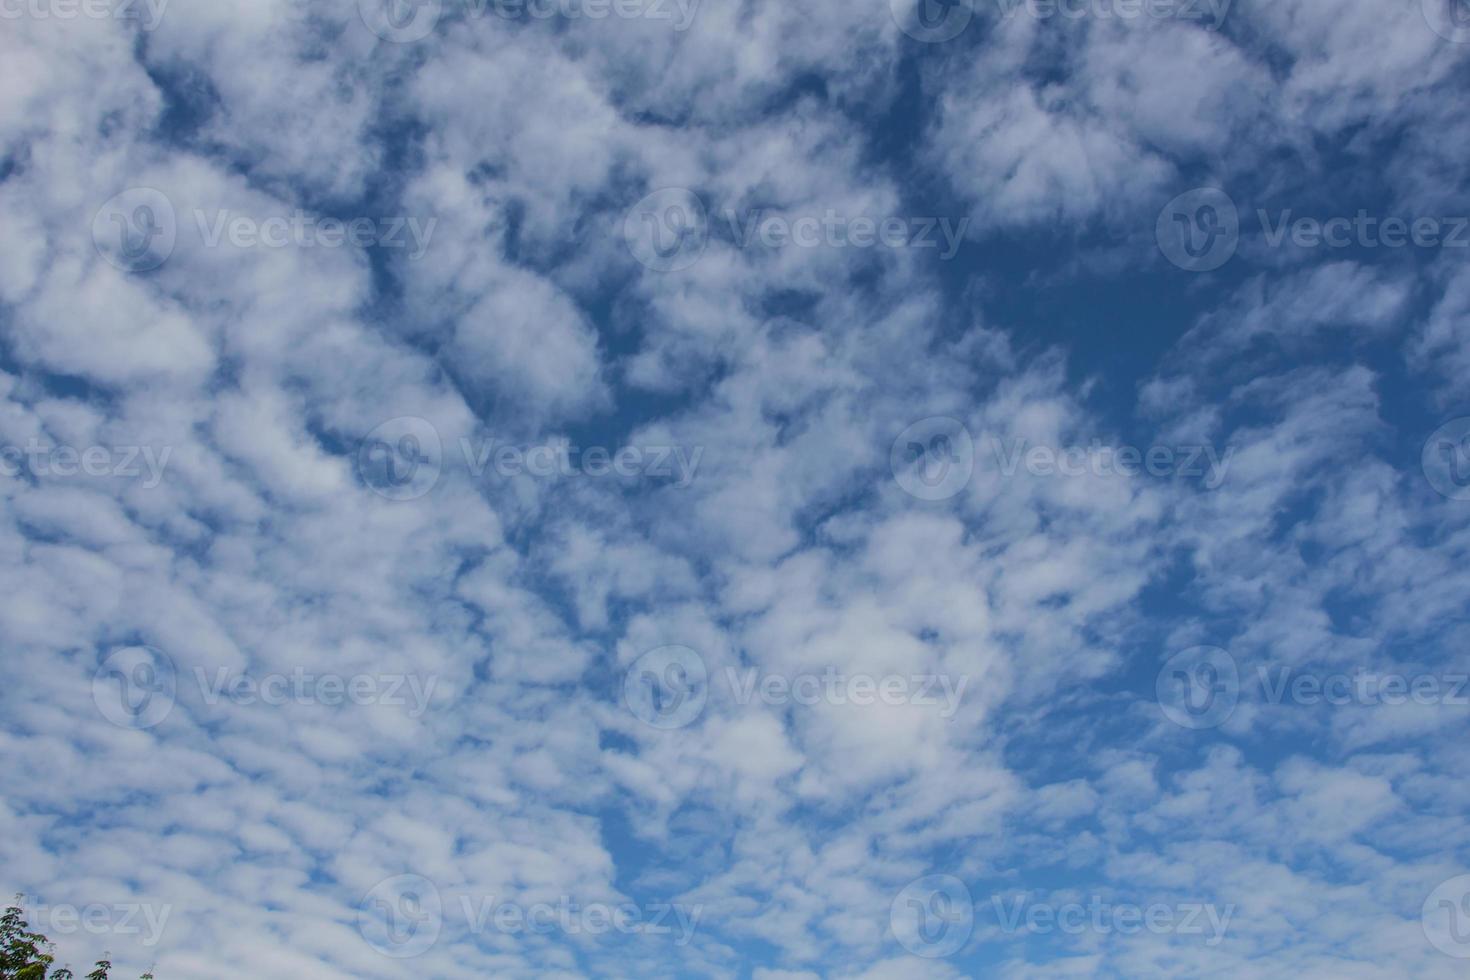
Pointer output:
x,y
26,955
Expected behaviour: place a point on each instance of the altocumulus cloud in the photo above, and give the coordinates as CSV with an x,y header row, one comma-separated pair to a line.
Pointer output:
x,y
773,491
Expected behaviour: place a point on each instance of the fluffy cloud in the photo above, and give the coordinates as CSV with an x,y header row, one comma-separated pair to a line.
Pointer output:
x,y
333,563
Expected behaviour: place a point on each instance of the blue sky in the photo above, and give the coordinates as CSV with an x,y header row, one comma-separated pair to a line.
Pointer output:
x,y
834,491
